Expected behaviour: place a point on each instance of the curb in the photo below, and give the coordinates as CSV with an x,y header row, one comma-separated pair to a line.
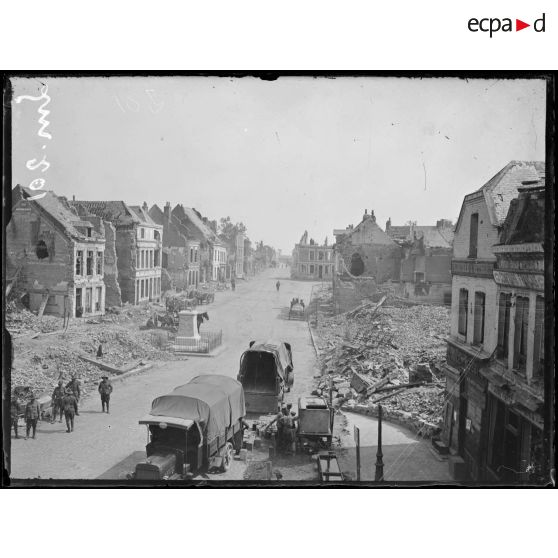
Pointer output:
x,y
214,353
314,341
130,373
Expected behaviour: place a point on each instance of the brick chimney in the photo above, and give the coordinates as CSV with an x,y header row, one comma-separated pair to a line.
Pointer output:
x,y
167,211
388,224
144,206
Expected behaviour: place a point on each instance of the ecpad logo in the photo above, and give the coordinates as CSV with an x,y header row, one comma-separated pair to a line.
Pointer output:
x,y
494,24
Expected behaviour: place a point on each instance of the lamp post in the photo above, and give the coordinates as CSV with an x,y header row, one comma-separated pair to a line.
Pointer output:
x,y
379,476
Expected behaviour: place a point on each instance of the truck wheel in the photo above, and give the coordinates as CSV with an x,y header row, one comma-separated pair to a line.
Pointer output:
x,y
227,457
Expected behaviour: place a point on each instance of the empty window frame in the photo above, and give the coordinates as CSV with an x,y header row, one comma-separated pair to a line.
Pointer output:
x,y
538,349
79,262
520,338
479,314
504,308
100,256
473,235
463,312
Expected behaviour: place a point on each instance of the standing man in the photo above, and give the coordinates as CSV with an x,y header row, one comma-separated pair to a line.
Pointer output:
x,y
233,284
14,415
57,396
73,386
32,416
70,405
277,285
105,389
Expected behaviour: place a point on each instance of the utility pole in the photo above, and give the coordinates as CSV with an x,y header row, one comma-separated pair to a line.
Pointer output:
x,y
379,476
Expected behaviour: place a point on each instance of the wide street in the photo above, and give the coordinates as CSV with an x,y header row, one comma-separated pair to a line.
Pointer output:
x,y
99,442
108,446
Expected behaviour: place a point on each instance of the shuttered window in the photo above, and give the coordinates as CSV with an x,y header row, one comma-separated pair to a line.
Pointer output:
x,y
478,332
463,306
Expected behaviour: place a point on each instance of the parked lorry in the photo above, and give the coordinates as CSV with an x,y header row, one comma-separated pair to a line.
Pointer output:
x,y
266,373
196,427
315,423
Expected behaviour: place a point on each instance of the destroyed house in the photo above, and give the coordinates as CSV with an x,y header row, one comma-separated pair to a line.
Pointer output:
x,y
311,260
213,253
55,257
426,254
367,251
492,425
138,247
181,251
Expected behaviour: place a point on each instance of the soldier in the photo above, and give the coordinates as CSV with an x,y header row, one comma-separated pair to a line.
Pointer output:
x,y
14,413
277,285
73,386
32,416
70,405
105,389
57,396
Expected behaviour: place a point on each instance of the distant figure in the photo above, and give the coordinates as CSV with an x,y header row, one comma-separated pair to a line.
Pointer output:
x,y
233,284
105,389
100,351
70,406
73,386
57,396
14,415
32,416
277,285
200,318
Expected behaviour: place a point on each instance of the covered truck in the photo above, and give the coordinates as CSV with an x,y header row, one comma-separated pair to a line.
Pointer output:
x,y
266,373
195,427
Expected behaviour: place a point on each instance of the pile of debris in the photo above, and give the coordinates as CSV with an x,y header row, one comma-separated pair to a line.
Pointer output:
x,y
20,321
381,354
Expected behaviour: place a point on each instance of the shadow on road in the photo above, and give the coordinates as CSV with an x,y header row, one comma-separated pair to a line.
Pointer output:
x,y
121,469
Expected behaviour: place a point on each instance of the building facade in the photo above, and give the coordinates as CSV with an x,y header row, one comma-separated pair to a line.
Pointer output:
x,y
311,260
239,256
57,254
181,251
138,246
495,296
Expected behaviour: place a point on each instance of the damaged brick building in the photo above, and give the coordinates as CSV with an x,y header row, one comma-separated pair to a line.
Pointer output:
x,y
495,360
55,255
212,252
426,253
181,251
138,247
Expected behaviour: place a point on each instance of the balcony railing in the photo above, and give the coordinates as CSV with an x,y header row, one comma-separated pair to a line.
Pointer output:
x,y
472,268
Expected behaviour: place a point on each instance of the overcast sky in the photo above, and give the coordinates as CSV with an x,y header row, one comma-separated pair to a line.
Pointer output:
x,y
284,156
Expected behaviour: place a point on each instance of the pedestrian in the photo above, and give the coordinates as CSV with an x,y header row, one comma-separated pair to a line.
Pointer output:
x,y
233,284
289,431
105,389
14,414
277,285
100,351
73,386
70,406
32,416
57,396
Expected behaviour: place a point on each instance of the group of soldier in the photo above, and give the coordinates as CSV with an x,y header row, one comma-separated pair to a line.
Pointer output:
x,y
65,402
285,440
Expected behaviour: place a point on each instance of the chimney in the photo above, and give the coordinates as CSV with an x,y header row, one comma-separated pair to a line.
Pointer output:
x,y
372,216
167,211
144,206
74,198
388,224
365,216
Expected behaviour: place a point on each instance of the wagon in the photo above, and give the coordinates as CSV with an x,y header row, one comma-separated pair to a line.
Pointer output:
x,y
297,311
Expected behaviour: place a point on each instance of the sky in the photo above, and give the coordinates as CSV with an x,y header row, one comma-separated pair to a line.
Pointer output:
x,y
295,154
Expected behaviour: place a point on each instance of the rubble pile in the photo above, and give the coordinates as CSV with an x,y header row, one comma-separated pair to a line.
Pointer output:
x,y
390,355
42,372
20,321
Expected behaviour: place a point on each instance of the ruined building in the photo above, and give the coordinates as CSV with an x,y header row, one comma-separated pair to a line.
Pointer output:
x,y
55,256
311,260
495,360
366,250
213,253
426,253
181,251
138,248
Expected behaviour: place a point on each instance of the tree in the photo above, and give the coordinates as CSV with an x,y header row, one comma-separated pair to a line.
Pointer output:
x,y
229,231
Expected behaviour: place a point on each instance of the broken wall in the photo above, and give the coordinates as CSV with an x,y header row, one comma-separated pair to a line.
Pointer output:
x,y
382,262
113,295
126,249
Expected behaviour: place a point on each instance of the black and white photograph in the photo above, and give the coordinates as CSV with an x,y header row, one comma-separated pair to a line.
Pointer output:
x,y
261,280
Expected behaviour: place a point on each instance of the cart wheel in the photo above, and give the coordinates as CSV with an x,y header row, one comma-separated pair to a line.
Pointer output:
x,y
227,457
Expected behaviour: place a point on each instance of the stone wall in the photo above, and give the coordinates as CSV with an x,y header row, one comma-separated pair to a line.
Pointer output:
x,y
113,295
